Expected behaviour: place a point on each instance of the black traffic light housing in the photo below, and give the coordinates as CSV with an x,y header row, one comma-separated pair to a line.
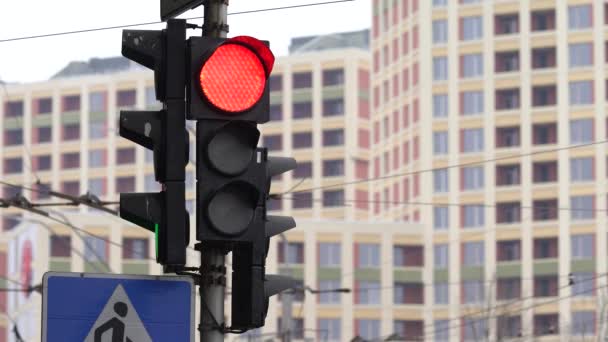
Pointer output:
x,y
165,133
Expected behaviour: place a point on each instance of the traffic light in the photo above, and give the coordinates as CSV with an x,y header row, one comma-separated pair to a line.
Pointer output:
x,y
228,96
163,132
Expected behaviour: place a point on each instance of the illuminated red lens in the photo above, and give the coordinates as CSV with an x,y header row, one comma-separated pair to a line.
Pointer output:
x,y
233,78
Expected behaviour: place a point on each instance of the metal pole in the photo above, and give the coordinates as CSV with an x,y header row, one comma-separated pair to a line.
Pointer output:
x,y
286,299
213,260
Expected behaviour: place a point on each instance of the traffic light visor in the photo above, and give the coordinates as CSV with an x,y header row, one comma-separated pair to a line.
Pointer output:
x,y
234,77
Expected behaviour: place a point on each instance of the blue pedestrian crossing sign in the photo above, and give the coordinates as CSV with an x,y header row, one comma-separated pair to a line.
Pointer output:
x,y
116,307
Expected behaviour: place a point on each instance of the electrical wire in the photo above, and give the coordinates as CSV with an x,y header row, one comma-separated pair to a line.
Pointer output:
x,y
455,166
6,40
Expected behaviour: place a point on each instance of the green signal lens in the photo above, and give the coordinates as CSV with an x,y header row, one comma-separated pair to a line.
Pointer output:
x,y
156,238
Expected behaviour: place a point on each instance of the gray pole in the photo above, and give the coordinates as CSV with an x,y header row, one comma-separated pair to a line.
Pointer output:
x,y
213,260
286,300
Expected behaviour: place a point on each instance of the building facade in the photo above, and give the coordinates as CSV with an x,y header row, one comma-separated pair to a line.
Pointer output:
x,y
489,127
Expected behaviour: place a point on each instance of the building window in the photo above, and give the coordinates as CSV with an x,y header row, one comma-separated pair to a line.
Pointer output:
x,y
97,102
441,292
13,137
543,20
506,61
507,175
333,168
329,254
125,156
302,110
440,143
329,297
473,291
125,98
582,208
545,286
97,158
583,323
295,253
544,172
41,134
303,170
61,246
545,248
472,140
409,330
95,249
369,292
333,198
472,178
473,253
302,80
70,160
471,28
125,184
302,200
135,249
13,165
506,24
472,103
473,215
579,17
581,54
329,329
71,131
441,219
543,134
583,284
440,180
273,142
472,65
302,140
544,96
543,58
42,163
13,109
508,327
508,288
333,137
582,246
440,105
581,93
581,131
509,250
97,129
507,137
275,112
333,77
96,186
509,212
333,107
581,169
440,31
441,256
369,255
408,293
408,256
440,68
545,210
507,99
441,330
276,83
368,329
546,324
71,103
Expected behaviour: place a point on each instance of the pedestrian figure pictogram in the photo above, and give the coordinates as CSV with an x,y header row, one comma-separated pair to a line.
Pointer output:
x,y
118,321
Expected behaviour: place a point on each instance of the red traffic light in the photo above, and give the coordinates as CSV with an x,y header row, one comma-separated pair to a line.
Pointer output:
x,y
234,77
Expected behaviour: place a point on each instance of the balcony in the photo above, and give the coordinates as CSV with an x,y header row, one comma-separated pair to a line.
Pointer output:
x,y
543,96
506,24
507,99
544,58
506,61
543,20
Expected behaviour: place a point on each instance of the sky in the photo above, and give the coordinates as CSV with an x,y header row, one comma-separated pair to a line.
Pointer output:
x,y
38,59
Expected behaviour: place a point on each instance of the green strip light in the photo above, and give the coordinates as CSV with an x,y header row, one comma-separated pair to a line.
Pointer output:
x,y
156,238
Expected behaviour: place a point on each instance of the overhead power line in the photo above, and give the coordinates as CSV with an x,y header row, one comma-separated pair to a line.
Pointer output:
x,y
46,35
454,166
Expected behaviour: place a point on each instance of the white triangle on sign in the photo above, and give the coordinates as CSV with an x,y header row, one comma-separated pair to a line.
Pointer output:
x,y
118,321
